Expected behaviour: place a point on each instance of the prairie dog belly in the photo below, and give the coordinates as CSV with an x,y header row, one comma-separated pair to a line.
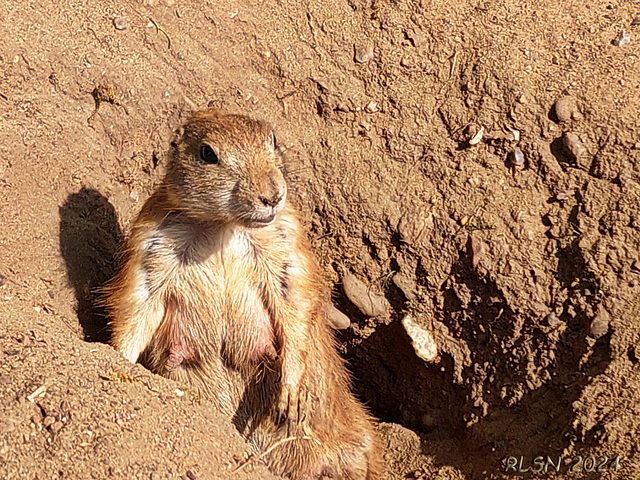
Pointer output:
x,y
249,336
190,334
213,303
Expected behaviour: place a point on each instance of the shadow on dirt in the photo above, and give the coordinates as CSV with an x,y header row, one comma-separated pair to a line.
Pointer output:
x,y
559,151
89,240
497,408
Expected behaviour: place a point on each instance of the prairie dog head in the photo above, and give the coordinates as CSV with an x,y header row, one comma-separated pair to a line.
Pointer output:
x,y
226,168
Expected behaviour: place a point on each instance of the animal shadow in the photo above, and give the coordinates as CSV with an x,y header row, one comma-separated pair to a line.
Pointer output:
x,y
90,237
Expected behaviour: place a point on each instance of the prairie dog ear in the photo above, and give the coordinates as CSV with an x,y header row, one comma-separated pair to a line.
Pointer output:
x,y
178,135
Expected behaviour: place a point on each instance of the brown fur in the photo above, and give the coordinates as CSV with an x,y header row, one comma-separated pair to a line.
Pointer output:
x,y
217,291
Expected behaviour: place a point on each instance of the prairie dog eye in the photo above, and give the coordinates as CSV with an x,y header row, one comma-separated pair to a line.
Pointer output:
x,y
207,155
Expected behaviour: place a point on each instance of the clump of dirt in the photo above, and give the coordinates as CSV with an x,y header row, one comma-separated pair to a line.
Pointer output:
x,y
474,166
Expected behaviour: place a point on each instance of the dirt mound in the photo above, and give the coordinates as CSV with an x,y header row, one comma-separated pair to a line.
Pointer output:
x,y
515,255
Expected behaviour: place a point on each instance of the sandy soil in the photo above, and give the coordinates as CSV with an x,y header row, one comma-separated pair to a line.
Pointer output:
x,y
517,257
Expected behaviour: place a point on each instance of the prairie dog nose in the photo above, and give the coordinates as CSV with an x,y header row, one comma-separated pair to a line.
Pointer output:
x,y
273,199
273,191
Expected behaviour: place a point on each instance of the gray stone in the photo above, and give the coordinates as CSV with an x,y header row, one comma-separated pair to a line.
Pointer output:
x,y
120,23
368,302
56,427
566,109
337,319
600,323
364,54
553,321
406,285
574,146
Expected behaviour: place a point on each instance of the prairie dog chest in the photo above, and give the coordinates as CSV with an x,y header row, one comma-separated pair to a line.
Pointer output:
x,y
226,284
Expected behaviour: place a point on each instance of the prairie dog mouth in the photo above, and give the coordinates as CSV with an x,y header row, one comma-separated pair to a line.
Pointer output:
x,y
262,221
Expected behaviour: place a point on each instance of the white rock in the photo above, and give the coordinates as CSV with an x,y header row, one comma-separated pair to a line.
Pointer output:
x,y
422,340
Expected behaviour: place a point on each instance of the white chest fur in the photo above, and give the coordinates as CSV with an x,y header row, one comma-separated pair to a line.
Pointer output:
x,y
219,282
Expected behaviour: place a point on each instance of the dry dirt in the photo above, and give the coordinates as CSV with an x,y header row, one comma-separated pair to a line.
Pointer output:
x,y
527,277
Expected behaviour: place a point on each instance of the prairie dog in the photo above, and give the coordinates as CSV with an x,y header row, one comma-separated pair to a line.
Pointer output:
x,y
219,289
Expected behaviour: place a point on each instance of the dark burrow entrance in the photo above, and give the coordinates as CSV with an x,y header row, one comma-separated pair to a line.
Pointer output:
x,y
513,396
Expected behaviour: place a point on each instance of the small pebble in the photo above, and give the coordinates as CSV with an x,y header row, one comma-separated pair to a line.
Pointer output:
x,y
477,249
191,475
573,145
56,427
565,195
622,39
566,109
65,410
477,137
337,319
553,320
368,302
48,421
372,107
364,54
600,323
470,133
411,227
516,158
120,23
